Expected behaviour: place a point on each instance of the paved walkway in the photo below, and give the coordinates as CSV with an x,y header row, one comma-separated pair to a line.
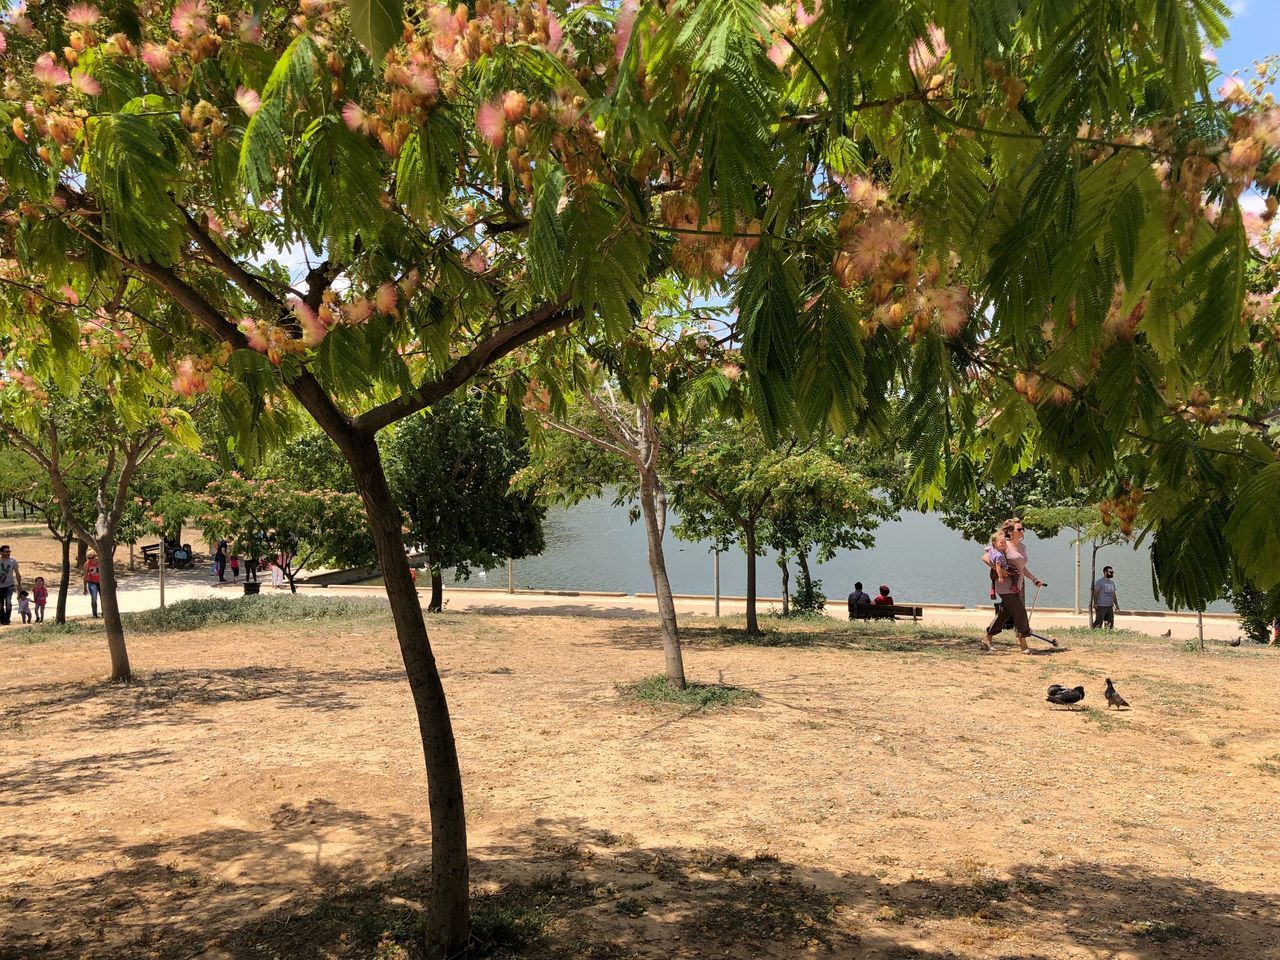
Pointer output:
x,y
141,592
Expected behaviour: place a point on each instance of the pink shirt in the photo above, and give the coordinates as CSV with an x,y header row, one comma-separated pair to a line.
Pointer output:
x,y
1017,557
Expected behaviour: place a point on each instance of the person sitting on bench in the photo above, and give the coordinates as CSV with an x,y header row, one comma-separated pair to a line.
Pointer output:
x,y
858,596
884,600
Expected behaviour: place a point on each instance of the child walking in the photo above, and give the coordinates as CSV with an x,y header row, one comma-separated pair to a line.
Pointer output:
x,y
40,596
24,606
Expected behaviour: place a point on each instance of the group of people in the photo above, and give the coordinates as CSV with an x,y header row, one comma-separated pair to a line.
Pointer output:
x,y
224,559
31,603
861,597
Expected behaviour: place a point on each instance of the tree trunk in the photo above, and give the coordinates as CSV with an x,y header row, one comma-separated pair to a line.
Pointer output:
x,y
82,554
447,921
806,579
111,610
64,583
786,584
749,539
437,587
654,514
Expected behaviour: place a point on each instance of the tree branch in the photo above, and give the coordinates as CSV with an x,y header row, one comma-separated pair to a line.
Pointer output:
x,y
505,339
590,438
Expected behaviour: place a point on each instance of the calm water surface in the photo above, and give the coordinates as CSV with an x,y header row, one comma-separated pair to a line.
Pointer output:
x,y
593,546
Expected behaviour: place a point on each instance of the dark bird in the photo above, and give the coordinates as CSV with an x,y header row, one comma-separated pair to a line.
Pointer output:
x,y
1063,697
1114,699
1234,643
1167,633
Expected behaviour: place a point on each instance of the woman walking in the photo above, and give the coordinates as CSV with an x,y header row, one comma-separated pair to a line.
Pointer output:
x,y
1010,566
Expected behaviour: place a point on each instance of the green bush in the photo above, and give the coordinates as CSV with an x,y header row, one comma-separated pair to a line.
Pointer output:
x,y
699,696
808,598
1256,610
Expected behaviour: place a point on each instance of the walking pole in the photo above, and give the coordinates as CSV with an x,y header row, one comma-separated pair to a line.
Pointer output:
x,y
1034,600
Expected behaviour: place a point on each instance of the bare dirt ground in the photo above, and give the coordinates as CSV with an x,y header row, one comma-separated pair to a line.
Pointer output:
x,y
259,793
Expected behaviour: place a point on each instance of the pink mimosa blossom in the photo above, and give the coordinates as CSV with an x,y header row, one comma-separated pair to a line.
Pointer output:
x,y
47,71
156,57
354,117
626,23
188,18
86,84
248,100
358,311
83,14
780,53
1233,90
386,299
807,11
491,123
927,52
255,333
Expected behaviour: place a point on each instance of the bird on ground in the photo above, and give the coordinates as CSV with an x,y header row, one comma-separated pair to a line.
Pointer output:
x,y
1114,699
1234,643
1167,633
1065,697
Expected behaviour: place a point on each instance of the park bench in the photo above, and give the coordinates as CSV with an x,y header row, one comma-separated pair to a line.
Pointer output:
x,y
872,611
176,556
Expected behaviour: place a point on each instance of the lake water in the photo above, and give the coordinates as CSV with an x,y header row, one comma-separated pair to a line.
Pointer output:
x,y
594,546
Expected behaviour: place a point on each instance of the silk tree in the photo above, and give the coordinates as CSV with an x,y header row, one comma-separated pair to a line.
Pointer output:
x,y
867,178
632,400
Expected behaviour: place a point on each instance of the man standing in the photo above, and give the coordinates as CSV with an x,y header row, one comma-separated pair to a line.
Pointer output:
x,y
1104,600
10,580
855,598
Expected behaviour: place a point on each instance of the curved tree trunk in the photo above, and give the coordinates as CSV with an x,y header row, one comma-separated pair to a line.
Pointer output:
x,y
786,584
64,582
749,539
447,921
437,588
653,507
806,578
82,553
120,670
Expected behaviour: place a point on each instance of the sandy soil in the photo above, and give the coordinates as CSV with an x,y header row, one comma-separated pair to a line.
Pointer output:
x,y
260,794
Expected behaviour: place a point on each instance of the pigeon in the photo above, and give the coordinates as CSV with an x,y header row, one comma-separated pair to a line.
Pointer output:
x,y
1063,697
1167,633
1114,699
1234,643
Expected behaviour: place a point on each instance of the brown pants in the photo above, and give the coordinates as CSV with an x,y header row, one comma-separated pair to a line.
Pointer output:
x,y
1013,607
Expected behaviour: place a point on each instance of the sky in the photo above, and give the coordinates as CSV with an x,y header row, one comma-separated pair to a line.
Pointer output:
x,y
1255,33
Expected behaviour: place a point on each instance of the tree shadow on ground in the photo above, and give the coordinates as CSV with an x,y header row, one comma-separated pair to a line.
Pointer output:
x,y
861,636
318,880
577,610
165,696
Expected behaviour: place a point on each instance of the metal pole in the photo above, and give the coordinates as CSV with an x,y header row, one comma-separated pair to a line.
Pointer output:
x,y
162,545
1077,578
715,566
1200,627
511,575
